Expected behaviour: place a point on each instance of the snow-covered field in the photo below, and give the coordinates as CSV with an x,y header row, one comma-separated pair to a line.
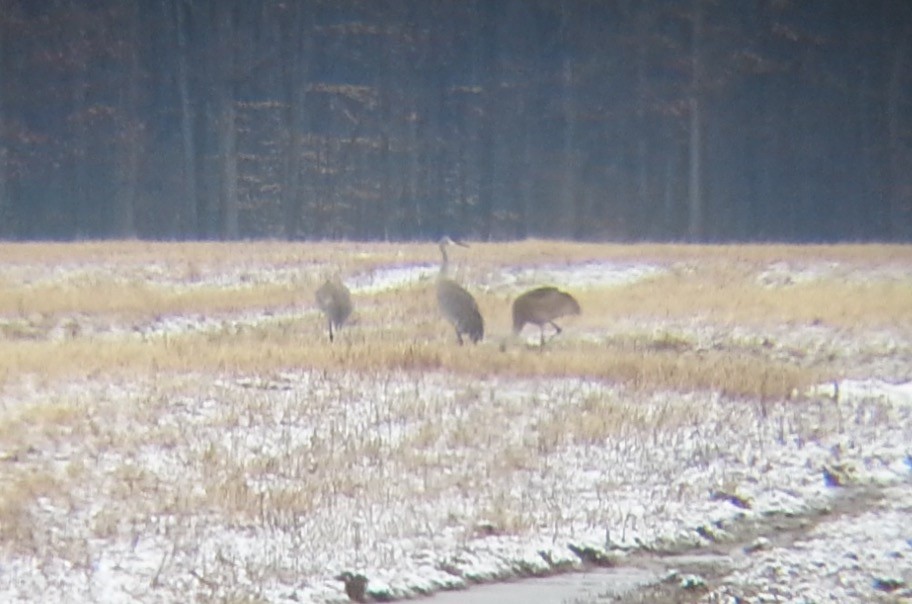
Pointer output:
x,y
238,487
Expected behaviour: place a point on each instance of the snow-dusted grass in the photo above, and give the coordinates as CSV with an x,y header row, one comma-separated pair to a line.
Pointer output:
x,y
174,453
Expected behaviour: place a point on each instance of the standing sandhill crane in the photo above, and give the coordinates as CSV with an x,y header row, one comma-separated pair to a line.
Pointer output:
x,y
457,305
540,306
334,300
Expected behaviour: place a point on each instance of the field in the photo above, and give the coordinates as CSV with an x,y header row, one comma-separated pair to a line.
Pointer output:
x,y
175,425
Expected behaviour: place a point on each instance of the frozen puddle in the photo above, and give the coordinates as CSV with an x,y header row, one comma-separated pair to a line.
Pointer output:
x,y
559,589
596,585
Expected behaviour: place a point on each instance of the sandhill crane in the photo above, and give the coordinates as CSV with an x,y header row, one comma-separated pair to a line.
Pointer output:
x,y
541,306
334,300
457,305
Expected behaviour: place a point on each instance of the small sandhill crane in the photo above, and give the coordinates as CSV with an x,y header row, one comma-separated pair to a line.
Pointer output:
x,y
541,306
334,300
456,304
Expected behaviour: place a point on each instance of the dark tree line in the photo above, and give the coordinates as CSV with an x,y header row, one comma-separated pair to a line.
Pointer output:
x,y
624,119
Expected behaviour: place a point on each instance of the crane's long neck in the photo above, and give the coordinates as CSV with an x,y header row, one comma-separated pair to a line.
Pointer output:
x,y
445,263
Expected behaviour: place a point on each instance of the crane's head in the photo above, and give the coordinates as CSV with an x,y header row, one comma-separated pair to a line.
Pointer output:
x,y
447,240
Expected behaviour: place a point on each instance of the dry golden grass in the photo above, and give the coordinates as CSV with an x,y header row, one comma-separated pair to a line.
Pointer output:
x,y
124,426
721,294
116,432
139,300
401,329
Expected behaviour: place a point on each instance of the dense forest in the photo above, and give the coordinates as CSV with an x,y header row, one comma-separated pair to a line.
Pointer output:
x,y
686,120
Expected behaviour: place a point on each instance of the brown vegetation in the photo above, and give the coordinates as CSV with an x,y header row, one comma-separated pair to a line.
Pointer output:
x,y
60,326
241,415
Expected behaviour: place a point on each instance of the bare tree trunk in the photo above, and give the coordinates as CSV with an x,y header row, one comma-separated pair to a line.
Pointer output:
x,y
388,222
900,185
410,181
442,212
80,204
695,226
464,165
228,158
125,196
486,169
6,228
670,223
642,129
227,123
568,174
526,199
487,68
386,190
189,222
297,41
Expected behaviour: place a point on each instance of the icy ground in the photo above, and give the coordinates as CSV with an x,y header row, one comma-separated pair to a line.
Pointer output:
x,y
264,488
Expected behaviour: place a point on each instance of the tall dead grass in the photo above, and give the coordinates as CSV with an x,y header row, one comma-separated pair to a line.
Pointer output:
x,y
401,329
140,300
722,294
171,449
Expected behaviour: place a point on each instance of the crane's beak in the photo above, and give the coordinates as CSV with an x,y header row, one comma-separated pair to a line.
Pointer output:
x,y
460,242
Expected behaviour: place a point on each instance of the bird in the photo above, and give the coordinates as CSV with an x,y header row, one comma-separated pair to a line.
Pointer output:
x,y
355,586
456,304
541,306
334,299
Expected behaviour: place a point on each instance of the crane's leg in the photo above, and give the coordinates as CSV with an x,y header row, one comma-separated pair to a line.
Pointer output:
x,y
557,329
330,330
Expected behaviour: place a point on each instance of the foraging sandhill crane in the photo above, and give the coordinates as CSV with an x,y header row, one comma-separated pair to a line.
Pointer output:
x,y
334,300
456,304
541,306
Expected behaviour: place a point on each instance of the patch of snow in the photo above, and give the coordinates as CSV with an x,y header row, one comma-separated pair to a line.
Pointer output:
x,y
781,274
785,274
268,486
175,276
390,278
433,518
841,559
579,274
859,390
